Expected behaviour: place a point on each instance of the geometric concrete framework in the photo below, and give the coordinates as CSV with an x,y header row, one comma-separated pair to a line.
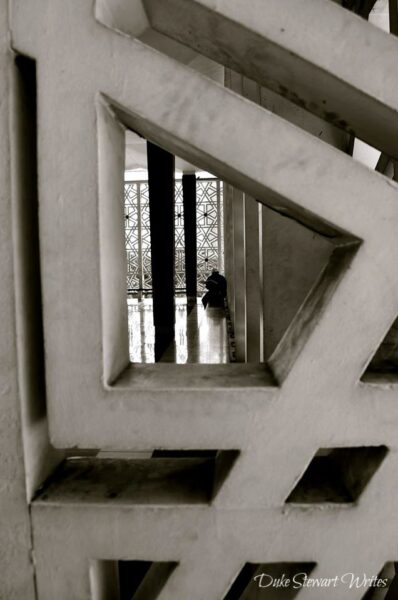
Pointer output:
x,y
95,513
68,539
307,240
89,372
109,114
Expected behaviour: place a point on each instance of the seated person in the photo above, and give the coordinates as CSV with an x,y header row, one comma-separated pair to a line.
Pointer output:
x,y
217,290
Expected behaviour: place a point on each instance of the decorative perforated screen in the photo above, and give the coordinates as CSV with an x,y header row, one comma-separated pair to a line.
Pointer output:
x,y
209,227
138,237
179,239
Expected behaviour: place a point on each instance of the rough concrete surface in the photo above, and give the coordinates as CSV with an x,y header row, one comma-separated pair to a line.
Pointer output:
x,y
94,78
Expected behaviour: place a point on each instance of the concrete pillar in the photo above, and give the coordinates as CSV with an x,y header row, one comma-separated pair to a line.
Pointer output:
x,y
161,205
288,269
245,298
254,278
238,212
293,256
253,255
189,200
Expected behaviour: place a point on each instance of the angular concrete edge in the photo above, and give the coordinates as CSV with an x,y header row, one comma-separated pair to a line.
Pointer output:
x,y
271,43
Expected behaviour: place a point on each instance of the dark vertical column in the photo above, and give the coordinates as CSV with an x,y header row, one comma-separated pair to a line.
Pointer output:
x,y
189,199
393,13
161,206
28,241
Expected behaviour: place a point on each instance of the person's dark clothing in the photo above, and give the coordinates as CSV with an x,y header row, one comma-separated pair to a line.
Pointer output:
x,y
217,290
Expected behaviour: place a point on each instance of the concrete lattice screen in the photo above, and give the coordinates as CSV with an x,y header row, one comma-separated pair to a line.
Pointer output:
x,y
295,462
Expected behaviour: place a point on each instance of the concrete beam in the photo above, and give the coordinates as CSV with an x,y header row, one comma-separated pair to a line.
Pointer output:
x,y
279,47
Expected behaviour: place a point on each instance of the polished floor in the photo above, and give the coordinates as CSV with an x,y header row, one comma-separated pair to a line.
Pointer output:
x,y
201,335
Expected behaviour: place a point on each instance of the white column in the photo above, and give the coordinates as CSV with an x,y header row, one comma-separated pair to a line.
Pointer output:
x,y
254,292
